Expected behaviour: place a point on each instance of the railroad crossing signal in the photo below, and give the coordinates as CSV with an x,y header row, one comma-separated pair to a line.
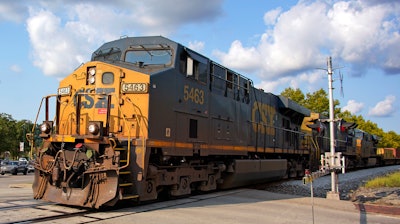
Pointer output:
x,y
326,168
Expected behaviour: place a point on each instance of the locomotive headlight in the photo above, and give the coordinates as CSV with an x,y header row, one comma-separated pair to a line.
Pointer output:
x,y
92,71
95,128
45,128
91,75
92,79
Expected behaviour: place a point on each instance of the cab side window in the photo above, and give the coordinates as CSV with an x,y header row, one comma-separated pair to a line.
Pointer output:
x,y
193,66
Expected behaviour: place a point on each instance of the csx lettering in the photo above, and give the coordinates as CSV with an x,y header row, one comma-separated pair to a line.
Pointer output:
x,y
266,114
102,102
89,100
193,94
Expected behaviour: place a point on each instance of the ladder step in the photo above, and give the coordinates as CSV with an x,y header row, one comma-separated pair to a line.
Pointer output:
x,y
123,161
126,184
126,197
124,172
119,149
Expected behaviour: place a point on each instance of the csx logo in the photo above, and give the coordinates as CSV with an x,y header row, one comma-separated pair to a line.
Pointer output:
x,y
89,101
266,116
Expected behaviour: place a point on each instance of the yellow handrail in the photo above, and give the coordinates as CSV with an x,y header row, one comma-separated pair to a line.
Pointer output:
x,y
129,137
31,138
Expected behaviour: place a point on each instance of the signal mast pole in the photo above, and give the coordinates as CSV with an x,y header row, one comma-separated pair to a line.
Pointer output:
x,y
333,194
331,161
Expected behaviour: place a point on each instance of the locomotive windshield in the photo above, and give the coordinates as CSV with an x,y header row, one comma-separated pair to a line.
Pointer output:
x,y
149,55
111,54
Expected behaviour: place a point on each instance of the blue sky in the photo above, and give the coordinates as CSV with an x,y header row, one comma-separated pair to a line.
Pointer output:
x,y
278,44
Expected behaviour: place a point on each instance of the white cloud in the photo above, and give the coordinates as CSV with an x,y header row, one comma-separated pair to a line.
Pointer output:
x,y
16,68
55,49
307,80
239,57
352,32
271,16
297,40
196,45
64,33
384,108
353,106
289,48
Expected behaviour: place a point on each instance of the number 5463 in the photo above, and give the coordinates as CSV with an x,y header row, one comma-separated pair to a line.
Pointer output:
x,y
193,94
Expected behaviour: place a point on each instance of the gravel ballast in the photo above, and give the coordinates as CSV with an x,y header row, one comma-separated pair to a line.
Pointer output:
x,y
348,183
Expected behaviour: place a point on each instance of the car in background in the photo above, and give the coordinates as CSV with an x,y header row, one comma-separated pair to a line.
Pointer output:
x,y
14,167
31,169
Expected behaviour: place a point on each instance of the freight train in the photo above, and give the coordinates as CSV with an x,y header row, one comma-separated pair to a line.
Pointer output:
x,y
148,116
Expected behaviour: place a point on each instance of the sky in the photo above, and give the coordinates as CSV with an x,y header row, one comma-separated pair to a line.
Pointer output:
x,y
278,44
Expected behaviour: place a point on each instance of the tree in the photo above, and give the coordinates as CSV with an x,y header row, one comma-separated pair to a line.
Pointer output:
x,y
317,101
390,140
294,94
7,134
13,132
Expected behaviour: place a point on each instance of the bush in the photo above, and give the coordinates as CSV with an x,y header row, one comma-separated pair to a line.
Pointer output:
x,y
390,180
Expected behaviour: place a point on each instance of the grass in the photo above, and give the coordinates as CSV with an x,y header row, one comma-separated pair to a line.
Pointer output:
x,y
390,180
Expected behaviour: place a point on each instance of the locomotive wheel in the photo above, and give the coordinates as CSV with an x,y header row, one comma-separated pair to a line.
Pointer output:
x,y
292,172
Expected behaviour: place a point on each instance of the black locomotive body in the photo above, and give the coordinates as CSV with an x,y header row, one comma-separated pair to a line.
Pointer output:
x,y
148,116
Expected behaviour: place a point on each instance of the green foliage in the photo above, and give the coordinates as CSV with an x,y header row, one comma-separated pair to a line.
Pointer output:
x,y
317,101
391,180
294,94
7,133
13,132
390,140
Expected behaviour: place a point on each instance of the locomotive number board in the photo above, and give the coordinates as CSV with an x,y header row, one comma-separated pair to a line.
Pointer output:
x,y
64,91
134,88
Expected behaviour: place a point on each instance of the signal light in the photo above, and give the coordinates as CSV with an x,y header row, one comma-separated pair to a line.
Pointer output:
x,y
318,128
344,126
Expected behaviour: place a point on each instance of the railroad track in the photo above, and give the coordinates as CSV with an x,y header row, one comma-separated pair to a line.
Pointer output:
x,y
23,210
32,211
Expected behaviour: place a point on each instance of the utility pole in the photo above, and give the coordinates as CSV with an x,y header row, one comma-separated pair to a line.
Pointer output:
x,y
331,161
334,193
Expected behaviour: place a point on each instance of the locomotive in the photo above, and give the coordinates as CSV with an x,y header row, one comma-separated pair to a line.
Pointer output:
x,y
147,116
358,147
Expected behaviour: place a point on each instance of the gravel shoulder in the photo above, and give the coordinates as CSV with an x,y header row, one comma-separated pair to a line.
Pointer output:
x,y
350,187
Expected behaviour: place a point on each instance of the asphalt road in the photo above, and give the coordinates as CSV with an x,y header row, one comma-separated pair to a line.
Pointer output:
x,y
7,179
226,207
14,187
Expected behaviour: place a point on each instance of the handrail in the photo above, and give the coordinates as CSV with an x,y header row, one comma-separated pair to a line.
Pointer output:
x,y
107,120
78,110
32,139
138,123
140,112
128,156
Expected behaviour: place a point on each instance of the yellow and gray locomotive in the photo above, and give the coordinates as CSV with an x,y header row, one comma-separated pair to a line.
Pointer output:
x,y
148,116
